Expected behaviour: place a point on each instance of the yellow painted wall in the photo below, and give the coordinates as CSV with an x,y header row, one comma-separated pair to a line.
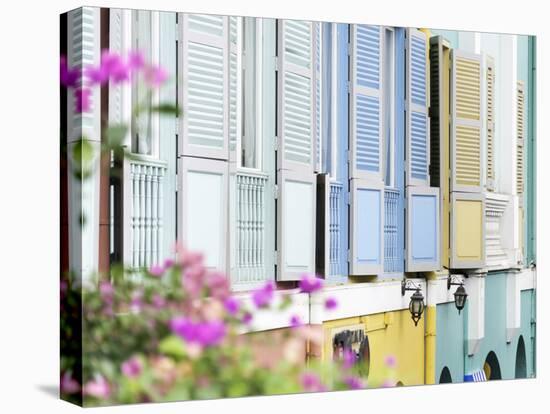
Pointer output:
x,y
390,334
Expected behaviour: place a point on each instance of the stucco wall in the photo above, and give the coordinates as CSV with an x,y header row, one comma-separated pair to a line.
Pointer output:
x,y
450,342
495,329
389,334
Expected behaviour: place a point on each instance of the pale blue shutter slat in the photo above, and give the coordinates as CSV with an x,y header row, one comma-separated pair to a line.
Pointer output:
x,y
366,185
417,109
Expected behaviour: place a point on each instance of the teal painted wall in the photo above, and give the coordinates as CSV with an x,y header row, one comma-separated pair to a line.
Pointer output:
x,y
449,341
450,35
531,185
495,329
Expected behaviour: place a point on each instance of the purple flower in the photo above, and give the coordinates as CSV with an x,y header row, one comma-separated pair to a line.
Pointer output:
x,y
311,382
264,295
132,367
310,283
350,358
82,99
120,72
158,301
331,304
168,263
155,76
353,383
68,77
136,302
295,321
68,384
96,75
156,270
98,388
232,305
135,60
201,333
247,318
391,361
106,291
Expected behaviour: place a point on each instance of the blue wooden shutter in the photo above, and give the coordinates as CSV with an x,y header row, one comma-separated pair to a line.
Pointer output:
x,y
205,86
296,150
417,127
366,185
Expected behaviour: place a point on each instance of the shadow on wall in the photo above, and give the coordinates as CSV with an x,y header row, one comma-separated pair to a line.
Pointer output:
x,y
445,377
521,360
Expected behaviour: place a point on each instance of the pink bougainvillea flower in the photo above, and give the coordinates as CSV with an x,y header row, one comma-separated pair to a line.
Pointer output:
x,y
218,285
135,60
158,301
106,291
247,318
68,77
349,358
82,100
331,304
120,72
132,367
232,305
310,283
202,333
156,270
391,361
263,296
168,263
155,76
68,384
98,388
96,75
137,301
311,382
295,321
353,383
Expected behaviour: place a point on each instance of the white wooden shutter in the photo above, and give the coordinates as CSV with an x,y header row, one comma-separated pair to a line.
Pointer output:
x,y
204,91
296,150
520,157
417,126
367,185
84,49
235,83
466,122
490,121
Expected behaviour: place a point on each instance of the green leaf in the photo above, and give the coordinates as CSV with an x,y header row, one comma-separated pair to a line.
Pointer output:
x,y
173,346
83,152
166,109
115,134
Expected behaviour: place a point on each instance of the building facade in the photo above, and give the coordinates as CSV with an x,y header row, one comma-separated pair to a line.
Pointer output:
x,y
376,157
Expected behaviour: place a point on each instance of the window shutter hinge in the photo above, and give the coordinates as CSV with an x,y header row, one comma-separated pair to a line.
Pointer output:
x,y
275,63
275,257
276,143
349,49
349,255
348,87
276,191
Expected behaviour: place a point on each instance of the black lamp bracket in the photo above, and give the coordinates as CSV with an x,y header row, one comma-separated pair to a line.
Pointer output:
x,y
407,284
453,281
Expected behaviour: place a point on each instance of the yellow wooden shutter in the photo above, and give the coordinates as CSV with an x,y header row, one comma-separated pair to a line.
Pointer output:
x,y
466,122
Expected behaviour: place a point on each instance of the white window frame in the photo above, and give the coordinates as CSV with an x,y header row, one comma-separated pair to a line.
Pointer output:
x,y
155,97
335,104
241,110
389,88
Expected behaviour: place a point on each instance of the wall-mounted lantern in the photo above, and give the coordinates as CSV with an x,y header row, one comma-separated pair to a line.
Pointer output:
x,y
416,305
460,294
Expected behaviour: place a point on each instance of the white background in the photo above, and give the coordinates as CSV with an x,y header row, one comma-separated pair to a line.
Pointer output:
x,y
29,204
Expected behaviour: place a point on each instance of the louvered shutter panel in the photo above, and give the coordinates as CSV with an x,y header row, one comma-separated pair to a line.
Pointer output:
x,y
296,151
205,86
520,157
466,122
318,76
490,119
367,186
417,109
235,83
83,50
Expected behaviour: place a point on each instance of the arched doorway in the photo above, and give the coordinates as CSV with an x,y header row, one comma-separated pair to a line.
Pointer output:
x,y
445,377
492,367
521,360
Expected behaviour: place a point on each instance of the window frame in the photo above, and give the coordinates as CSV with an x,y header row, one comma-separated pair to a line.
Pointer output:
x,y
389,112
241,110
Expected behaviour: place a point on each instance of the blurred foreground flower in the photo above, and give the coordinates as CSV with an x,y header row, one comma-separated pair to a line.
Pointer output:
x,y
310,283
